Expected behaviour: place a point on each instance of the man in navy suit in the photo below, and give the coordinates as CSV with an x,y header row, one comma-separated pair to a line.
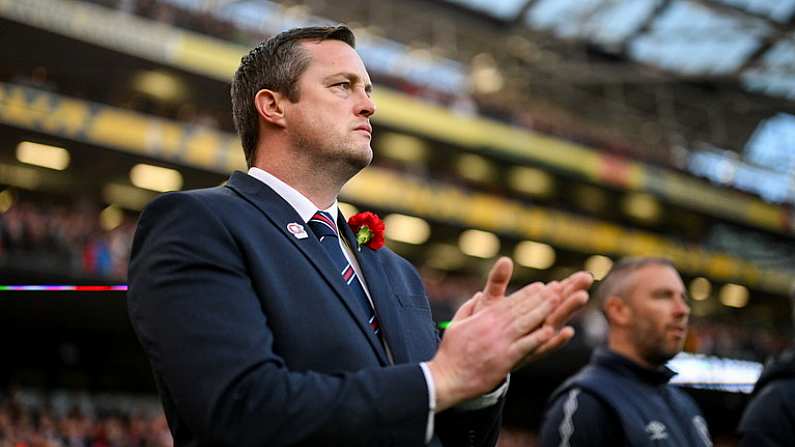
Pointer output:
x,y
256,338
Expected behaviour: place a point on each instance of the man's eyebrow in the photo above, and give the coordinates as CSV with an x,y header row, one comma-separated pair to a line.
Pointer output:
x,y
662,291
668,291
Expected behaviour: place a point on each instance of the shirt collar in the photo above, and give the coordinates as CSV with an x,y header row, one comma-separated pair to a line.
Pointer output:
x,y
302,205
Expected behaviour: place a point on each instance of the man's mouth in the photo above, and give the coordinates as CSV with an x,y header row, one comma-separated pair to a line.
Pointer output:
x,y
364,128
679,331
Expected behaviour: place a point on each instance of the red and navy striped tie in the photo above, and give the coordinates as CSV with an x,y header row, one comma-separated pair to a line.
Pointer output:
x,y
325,229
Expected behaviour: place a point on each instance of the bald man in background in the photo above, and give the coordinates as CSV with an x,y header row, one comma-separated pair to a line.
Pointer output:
x,y
623,397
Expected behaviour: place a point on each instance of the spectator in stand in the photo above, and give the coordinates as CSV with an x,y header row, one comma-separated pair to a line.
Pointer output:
x,y
68,240
26,425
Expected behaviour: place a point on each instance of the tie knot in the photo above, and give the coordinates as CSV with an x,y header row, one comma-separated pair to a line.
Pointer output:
x,y
323,225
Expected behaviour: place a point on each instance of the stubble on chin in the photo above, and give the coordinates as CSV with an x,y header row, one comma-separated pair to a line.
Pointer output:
x,y
338,159
347,156
659,354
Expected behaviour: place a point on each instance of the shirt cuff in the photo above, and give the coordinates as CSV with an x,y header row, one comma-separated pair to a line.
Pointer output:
x,y
486,400
431,401
477,403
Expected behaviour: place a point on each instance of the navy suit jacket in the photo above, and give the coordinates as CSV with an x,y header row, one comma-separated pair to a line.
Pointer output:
x,y
253,340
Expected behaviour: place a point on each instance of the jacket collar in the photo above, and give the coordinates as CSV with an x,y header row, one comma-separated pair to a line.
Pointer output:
x,y
300,203
281,214
624,366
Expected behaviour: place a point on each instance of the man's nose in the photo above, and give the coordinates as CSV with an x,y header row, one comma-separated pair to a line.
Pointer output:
x,y
365,106
681,309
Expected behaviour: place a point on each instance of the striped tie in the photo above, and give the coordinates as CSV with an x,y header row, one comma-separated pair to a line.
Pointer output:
x,y
325,229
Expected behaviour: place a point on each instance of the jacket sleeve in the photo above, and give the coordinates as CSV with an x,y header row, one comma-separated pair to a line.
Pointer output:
x,y
470,428
200,322
579,419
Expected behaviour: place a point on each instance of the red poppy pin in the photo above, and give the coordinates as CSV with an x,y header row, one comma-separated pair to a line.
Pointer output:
x,y
369,229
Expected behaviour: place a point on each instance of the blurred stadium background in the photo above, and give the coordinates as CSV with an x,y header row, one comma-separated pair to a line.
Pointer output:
x,y
563,133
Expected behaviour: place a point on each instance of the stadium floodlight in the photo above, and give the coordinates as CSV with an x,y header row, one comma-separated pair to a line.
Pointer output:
x,y
347,209
530,181
111,217
534,255
700,288
408,229
155,178
599,266
481,244
126,196
6,200
20,176
161,85
641,206
734,295
44,155
475,168
402,147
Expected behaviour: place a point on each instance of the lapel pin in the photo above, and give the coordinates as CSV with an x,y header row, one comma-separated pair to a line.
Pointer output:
x,y
297,230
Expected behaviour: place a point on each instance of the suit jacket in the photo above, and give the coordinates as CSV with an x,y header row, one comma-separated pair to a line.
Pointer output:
x,y
254,340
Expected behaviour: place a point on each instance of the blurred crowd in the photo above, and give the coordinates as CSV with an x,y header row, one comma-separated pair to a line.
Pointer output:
x,y
70,241
737,340
61,419
549,119
30,419
63,240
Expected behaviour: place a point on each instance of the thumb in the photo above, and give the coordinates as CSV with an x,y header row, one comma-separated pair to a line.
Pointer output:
x,y
468,308
499,276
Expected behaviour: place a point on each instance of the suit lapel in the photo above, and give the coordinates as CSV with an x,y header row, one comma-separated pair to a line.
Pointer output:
x,y
381,293
280,214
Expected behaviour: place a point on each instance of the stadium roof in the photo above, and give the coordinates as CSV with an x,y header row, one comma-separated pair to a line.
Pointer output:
x,y
751,40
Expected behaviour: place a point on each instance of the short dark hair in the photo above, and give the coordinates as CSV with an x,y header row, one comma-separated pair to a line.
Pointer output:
x,y
614,283
275,64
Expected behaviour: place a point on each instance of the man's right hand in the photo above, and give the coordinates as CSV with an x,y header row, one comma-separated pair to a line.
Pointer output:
x,y
492,334
481,347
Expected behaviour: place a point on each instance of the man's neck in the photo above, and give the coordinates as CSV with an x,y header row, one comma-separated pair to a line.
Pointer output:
x,y
319,190
628,351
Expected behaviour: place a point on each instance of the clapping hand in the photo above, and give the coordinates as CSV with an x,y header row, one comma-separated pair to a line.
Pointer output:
x,y
492,334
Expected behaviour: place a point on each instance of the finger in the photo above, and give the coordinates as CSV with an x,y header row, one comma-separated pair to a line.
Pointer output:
x,y
567,308
577,281
527,291
555,342
555,286
499,276
530,343
480,302
467,309
526,298
531,317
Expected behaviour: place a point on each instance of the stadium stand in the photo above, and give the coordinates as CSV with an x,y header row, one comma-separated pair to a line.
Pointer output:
x,y
563,168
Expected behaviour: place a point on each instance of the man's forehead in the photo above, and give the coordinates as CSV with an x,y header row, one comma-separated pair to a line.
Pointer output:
x,y
645,278
656,276
332,51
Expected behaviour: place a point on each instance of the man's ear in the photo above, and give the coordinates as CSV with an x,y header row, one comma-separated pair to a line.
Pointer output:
x,y
270,106
617,310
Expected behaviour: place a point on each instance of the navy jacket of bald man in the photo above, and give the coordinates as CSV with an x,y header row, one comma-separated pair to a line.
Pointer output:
x,y
253,342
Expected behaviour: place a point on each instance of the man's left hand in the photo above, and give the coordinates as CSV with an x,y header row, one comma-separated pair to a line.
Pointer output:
x,y
573,296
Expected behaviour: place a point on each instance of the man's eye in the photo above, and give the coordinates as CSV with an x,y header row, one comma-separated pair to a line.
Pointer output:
x,y
345,85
